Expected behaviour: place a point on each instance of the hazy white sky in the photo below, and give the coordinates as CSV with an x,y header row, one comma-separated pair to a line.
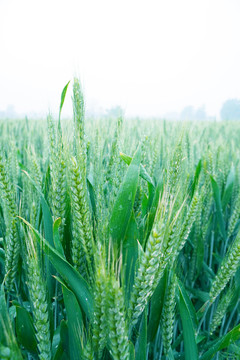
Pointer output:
x,y
150,57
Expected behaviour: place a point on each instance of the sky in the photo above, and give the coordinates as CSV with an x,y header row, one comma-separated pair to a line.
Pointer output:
x,y
150,57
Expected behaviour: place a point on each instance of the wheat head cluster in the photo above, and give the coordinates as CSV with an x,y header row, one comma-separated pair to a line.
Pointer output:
x,y
119,238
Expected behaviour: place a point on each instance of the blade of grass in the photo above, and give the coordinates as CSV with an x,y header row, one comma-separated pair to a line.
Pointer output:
x,y
75,321
190,346
157,301
63,95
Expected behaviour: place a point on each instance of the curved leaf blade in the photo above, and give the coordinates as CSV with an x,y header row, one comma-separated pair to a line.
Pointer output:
x,y
73,279
25,330
75,322
143,172
190,345
63,95
123,206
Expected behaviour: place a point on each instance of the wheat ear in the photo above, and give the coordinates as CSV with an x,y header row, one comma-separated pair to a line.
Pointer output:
x,y
168,314
228,268
37,292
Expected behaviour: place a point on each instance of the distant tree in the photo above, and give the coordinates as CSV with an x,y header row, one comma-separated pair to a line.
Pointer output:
x,y
115,112
187,113
10,112
200,113
231,110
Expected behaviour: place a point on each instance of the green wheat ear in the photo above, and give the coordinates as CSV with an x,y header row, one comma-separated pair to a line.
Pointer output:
x,y
79,126
88,352
12,246
82,242
187,224
7,190
221,309
151,267
118,332
168,314
58,175
37,292
100,323
175,165
234,217
12,253
227,269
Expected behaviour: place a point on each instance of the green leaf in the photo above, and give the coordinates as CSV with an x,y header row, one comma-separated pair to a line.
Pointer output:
x,y
141,344
222,343
70,275
56,341
62,99
58,352
145,204
130,255
25,329
75,322
7,336
156,307
200,254
56,237
228,188
151,193
64,337
197,256
123,206
131,351
217,198
153,209
2,256
92,195
196,176
190,346
143,172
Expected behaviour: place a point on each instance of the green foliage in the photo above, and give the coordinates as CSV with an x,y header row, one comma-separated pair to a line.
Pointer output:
x,y
108,256
190,346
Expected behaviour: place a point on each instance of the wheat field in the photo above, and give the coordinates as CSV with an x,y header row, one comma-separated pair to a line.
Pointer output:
x,y
119,239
